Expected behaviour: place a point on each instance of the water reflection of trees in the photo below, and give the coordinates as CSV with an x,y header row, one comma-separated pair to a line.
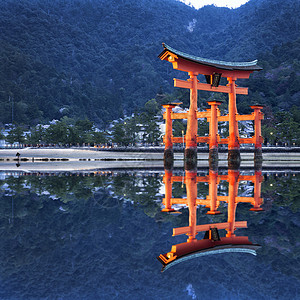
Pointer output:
x,y
45,229
142,188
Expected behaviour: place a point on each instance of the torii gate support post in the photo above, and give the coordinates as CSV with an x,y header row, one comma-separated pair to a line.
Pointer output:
x,y
258,201
213,192
233,143
190,153
191,194
258,115
213,131
233,176
168,153
168,191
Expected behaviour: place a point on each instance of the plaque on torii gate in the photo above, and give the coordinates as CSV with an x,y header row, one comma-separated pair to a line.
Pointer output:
x,y
213,70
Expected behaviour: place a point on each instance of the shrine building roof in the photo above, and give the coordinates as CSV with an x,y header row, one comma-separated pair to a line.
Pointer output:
x,y
218,64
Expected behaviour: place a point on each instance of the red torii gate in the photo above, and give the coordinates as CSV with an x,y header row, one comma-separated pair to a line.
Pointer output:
x,y
212,200
213,71
211,242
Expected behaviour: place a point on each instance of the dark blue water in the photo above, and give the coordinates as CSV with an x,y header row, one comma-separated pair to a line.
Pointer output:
x,y
71,237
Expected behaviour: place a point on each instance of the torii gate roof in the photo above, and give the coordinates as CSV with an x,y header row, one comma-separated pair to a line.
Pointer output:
x,y
194,62
186,251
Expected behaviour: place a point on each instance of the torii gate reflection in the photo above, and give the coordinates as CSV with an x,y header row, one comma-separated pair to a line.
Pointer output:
x,y
212,242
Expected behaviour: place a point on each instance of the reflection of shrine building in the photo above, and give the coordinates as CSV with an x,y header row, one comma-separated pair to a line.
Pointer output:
x,y
212,243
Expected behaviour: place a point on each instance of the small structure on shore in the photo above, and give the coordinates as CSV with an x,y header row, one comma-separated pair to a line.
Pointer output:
x,y
213,70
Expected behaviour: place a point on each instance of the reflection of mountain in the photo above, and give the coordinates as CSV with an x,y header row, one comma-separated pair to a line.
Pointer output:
x,y
102,244
212,243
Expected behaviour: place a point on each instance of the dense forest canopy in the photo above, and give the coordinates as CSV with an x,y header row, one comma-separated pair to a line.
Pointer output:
x,y
97,59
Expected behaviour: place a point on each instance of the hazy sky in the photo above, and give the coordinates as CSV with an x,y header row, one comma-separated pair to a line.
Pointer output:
x,y
227,3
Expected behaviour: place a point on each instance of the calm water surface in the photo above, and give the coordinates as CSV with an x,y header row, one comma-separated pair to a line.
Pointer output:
x,y
97,236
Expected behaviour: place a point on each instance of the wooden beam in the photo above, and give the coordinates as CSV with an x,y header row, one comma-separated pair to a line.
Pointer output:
x,y
223,141
245,117
207,87
247,178
179,116
244,199
242,140
206,227
238,118
182,178
223,118
178,178
202,139
178,140
185,201
247,140
203,178
203,114
182,83
223,198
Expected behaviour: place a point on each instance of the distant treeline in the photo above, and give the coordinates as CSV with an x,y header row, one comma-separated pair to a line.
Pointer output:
x,y
97,59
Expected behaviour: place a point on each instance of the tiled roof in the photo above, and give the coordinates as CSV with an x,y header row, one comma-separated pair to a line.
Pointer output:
x,y
243,66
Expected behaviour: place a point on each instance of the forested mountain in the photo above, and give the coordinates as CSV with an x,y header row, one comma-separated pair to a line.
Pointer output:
x,y
98,58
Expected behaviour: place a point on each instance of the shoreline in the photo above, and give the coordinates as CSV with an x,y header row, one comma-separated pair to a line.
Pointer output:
x,y
72,154
92,167
59,160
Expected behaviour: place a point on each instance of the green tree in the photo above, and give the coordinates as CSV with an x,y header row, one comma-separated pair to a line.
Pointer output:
x,y
179,128
1,135
84,125
84,130
57,133
152,132
37,135
203,127
151,107
100,137
131,130
118,134
269,134
289,131
16,135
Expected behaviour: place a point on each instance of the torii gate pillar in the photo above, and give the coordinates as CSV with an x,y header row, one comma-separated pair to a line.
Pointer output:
x,y
233,141
168,191
191,195
213,131
190,153
257,132
168,153
233,176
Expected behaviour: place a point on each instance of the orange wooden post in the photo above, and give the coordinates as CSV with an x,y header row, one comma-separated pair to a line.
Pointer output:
x,y
213,130
192,122
258,201
168,153
168,192
233,142
191,193
258,115
168,133
213,193
233,176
